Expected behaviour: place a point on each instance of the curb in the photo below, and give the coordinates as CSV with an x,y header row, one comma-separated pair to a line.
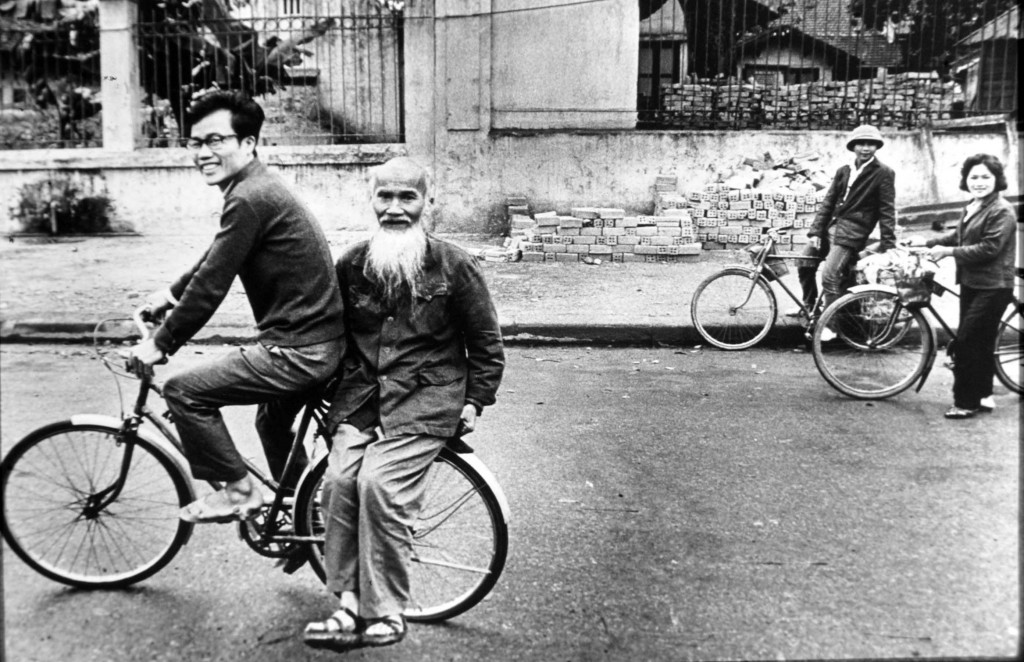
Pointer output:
x,y
514,334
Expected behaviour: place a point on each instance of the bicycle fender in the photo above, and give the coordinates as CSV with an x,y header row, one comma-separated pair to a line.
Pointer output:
x,y
741,267
170,451
924,373
869,287
492,482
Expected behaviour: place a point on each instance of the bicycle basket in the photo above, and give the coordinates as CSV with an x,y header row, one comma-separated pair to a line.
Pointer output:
x,y
914,288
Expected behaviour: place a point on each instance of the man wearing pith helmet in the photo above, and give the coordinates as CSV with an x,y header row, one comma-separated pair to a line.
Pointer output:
x,y
862,195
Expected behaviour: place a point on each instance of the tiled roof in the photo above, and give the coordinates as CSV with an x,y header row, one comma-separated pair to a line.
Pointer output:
x,y
830,22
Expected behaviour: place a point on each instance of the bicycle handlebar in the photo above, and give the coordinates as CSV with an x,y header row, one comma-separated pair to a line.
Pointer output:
x,y
921,251
139,318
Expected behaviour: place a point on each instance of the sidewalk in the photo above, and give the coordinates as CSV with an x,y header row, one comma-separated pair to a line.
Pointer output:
x,y
56,291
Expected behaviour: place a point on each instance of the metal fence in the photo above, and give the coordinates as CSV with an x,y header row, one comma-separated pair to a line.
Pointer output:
x,y
322,78
824,64
325,71
49,76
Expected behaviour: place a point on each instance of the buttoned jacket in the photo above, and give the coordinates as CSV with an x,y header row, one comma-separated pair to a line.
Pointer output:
x,y
424,360
984,246
870,201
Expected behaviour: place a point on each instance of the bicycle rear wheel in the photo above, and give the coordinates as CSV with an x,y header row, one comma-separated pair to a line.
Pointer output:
x,y
881,348
459,540
734,308
60,517
1008,345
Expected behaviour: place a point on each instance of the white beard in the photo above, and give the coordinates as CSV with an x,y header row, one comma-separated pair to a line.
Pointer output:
x,y
394,261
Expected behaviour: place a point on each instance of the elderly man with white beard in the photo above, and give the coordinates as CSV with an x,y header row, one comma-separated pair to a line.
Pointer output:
x,y
424,358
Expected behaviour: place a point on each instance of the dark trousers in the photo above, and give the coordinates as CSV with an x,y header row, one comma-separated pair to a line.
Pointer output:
x,y
973,365
836,274
275,378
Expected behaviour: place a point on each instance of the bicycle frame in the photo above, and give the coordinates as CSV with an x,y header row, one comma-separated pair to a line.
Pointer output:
x,y
759,271
141,412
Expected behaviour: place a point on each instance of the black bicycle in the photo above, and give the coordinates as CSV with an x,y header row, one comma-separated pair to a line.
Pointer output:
x,y
885,344
92,501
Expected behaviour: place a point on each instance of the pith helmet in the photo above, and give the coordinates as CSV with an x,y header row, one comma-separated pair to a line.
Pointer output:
x,y
864,132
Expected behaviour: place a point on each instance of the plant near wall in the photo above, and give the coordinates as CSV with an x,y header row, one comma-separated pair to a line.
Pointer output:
x,y
60,206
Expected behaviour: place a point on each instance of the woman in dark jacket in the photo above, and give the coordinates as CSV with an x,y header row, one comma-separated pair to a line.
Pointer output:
x,y
983,245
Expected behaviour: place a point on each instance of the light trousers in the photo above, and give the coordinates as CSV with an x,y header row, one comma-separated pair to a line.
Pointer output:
x,y
373,489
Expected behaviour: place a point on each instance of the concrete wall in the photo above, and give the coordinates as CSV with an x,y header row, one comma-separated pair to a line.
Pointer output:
x,y
561,170
554,170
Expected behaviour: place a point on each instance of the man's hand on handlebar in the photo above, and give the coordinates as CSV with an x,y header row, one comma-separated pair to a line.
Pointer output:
x,y
144,355
156,306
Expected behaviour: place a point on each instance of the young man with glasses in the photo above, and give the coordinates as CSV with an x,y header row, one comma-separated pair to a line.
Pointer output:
x,y
272,243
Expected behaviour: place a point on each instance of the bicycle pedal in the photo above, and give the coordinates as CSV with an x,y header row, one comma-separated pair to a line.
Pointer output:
x,y
291,563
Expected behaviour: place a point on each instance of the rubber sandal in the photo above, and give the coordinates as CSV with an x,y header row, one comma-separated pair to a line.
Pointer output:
x,y
395,631
960,413
340,631
204,511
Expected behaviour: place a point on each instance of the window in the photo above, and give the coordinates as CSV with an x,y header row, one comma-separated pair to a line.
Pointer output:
x,y
773,76
659,66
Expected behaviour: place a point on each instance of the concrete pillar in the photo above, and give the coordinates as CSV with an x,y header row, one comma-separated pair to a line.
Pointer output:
x,y
119,64
564,64
419,93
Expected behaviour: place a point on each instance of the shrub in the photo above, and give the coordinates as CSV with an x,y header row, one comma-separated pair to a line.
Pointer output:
x,y
59,206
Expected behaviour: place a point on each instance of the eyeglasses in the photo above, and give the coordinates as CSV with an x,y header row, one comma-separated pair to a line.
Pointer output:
x,y
216,141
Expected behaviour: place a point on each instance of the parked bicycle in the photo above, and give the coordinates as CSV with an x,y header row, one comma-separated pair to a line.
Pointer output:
x,y
93,501
736,307
885,342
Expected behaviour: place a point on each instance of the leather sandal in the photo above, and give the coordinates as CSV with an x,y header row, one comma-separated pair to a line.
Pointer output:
x,y
339,632
389,630
216,508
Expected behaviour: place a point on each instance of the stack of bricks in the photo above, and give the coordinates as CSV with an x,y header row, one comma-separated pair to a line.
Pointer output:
x,y
591,234
729,218
758,193
902,100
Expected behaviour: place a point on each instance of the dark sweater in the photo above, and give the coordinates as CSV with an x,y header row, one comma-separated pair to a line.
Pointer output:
x,y
272,242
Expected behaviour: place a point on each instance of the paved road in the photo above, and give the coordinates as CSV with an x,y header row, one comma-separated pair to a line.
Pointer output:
x,y
668,504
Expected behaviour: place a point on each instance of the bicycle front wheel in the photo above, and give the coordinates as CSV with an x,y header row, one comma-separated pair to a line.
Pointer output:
x,y
734,309
459,539
1008,344
64,515
881,348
